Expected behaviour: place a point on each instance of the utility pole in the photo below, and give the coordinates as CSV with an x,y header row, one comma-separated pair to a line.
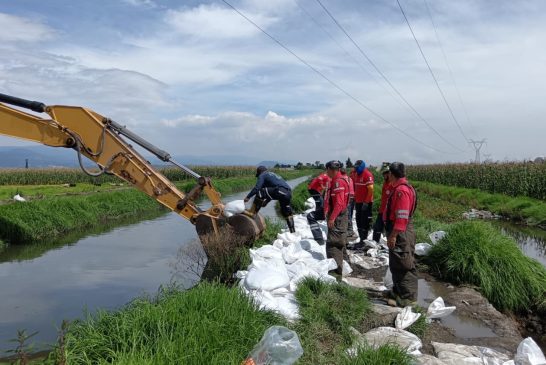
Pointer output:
x,y
477,147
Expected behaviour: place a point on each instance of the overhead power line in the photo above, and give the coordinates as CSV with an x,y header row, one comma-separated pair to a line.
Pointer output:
x,y
447,64
335,85
386,78
432,73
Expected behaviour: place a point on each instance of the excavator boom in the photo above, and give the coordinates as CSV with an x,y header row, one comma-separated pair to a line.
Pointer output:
x,y
102,140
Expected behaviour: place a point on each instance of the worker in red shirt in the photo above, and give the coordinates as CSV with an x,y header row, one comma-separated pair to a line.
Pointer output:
x,y
335,209
350,205
379,225
400,207
363,181
317,188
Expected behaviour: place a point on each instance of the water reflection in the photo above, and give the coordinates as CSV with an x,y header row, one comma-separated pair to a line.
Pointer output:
x,y
532,241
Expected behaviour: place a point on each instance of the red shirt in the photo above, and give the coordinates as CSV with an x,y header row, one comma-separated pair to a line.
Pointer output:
x,y
385,192
337,196
319,183
363,186
402,203
351,187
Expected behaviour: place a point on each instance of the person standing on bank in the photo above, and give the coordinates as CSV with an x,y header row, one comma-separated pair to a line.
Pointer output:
x,y
317,188
350,204
271,186
335,208
401,205
379,225
363,181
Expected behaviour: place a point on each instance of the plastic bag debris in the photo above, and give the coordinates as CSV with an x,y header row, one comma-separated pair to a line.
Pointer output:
x,y
529,353
278,346
19,198
406,318
436,236
452,353
383,335
234,207
422,249
438,309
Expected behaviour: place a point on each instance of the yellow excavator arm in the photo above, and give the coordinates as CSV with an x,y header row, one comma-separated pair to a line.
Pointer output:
x,y
102,140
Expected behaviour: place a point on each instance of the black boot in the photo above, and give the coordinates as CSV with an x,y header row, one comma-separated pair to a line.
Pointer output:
x,y
376,236
290,223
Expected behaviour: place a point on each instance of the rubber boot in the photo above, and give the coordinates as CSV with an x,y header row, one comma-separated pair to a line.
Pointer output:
x,y
376,236
257,204
290,223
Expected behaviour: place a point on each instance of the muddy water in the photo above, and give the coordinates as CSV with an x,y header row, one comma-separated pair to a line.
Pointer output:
x,y
532,241
463,327
101,270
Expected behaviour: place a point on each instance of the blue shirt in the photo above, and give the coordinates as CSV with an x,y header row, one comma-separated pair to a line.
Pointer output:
x,y
268,179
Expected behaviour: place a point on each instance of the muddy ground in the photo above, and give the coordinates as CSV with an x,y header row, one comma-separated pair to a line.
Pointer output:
x,y
474,322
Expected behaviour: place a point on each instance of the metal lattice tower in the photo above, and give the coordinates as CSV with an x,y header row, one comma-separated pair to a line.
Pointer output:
x,y
477,147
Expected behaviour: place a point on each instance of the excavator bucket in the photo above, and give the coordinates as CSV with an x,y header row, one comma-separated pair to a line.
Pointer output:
x,y
245,227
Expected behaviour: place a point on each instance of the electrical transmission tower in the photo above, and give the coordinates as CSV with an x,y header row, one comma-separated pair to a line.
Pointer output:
x,y
477,147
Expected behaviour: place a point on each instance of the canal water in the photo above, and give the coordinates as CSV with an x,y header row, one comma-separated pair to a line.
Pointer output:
x,y
41,286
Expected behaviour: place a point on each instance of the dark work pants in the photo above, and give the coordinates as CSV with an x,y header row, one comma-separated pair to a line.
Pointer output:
x,y
336,241
378,227
402,264
363,219
316,215
281,194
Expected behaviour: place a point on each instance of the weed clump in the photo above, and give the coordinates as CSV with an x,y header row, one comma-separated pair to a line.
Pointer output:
x,y
476,253
389,354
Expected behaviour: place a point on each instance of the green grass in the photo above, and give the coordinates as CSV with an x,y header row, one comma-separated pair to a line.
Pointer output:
x,y
419,327
31,192
209,324
389,354
327,311
299,196
476,253
529,210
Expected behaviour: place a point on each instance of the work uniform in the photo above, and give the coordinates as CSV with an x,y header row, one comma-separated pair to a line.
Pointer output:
x,y
399,209
335,208
363,202
271,186
350,206
317,188
379,225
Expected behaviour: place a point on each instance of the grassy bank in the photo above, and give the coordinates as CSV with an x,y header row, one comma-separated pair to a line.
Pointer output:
x,y
528,210
216,324
299,196
476,253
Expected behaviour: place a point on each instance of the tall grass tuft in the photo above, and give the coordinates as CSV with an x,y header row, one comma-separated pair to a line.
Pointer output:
x,y
327,311
299,196
209,324
388,354
476,253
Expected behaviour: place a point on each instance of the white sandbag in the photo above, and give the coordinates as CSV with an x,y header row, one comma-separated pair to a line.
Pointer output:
x,y
310,204
387,335
354,258
406,318
294,252
234,207
422,249
266,252
438,309
264,299
241,274
387,279
346,269
373,252
289,238
367,284
278,243
436,236
266,275
529,353
19,198
452,354
428,360
288,306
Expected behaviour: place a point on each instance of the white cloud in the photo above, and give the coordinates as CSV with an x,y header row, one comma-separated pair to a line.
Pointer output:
x,y
141,3
19,29
215,22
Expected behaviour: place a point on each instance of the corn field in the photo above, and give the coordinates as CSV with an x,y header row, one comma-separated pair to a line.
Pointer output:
x,y
509,178
67,175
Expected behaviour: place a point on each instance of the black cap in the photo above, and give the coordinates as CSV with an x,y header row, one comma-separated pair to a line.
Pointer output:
x,y
333,165
397,169
260,169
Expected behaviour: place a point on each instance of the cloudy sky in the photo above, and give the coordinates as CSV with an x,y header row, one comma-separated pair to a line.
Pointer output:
x,y
196,78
